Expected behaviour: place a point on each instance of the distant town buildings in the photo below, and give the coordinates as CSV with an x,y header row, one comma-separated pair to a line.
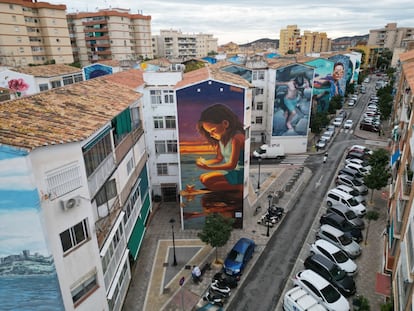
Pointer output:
x,y
390,37
109,34
310,42
33,33
174,44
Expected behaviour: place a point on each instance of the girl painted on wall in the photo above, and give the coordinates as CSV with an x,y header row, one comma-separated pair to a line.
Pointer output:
x,y
224,132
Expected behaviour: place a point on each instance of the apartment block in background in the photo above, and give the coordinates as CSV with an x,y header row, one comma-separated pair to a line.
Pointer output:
x,y
390,36
173,44
115,34
33,33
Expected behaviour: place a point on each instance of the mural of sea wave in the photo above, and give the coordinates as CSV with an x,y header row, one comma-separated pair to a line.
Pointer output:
x,y
46,298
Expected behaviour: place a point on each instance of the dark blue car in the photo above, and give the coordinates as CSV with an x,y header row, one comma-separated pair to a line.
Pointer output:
x,y
238,257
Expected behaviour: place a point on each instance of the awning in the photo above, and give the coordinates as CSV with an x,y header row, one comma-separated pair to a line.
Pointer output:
x,y
135,240
383,284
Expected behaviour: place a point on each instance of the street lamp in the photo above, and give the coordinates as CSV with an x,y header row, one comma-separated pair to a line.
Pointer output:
x,y
269,197
259,160
172,221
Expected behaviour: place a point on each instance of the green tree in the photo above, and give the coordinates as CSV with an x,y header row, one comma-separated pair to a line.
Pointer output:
x,y
377,178
318,121
335,103
380,157
216,231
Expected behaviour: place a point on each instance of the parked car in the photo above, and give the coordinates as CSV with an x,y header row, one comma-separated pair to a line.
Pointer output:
x,y
331,128
322,290
351,102
339,222
349,215
357,155
336,197
331,272
321,143
362,148
363,163
365,126
298,299
338,121
351,172
353,183
327,135
239,256
348,124
354,97
353,192
338,238
359,168
334,254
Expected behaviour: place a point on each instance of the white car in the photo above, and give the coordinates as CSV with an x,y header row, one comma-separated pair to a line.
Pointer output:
x,y
348,124
327,135
359,162
334,254
338,121
361,169
322,290
351,103
354,97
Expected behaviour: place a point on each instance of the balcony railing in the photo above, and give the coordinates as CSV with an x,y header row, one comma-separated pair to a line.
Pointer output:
x,y
104,224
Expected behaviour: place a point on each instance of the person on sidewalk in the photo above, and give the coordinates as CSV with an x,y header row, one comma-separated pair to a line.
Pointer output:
x,y
196,274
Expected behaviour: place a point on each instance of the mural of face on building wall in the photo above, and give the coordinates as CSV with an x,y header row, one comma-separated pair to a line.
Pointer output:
x,y
292,100
340,75
211,139
28,279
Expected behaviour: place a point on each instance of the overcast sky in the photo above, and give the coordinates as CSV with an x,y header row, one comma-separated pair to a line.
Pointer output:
x,y
243,21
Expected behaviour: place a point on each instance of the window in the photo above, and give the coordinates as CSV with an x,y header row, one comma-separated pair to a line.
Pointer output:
x,y
259,106
162,169
106,193
78,77
158,122
171,146
74,235
155,97
21,50
84,287
160,146
67,80
55,84
97,153
43,87
168,96
259,120
130,165
170,122
258,91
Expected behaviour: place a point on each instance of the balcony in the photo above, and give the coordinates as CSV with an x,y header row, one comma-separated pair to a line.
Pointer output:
x,y
104,225
101,21
407,182
126,143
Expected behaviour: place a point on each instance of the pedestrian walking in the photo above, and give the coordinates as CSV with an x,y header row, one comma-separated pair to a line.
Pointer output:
x,y
325,157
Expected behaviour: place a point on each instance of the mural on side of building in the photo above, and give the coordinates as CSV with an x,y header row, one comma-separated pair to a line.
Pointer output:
x,y
242,72
96,70
28,278
211,139
17,84
292,101
321,94
341,74
355,59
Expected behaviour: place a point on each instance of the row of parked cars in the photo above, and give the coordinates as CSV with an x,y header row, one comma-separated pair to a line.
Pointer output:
x,y
371,118
326,282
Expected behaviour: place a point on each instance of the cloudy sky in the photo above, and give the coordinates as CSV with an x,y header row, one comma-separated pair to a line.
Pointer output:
x,y
244,21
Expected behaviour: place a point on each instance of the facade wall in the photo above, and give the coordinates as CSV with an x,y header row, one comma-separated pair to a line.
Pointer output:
x,y
35,33
390,36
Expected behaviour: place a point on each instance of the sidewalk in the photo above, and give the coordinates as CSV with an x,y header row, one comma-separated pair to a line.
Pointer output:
x,y
155,281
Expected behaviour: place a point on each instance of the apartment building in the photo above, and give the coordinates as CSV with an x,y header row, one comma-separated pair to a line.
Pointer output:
x,y
309,42
75,196
33,33
390,36
174,44
115,34
399,242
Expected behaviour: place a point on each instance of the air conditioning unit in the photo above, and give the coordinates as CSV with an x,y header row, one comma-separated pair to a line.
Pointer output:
x,y
70,203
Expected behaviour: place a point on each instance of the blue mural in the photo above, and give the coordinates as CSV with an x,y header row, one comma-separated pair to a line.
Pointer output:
x,y
96,70
293,91
241,71
28,278
321,94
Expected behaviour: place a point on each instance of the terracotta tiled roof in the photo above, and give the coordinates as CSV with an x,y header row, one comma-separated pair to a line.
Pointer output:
x,y
281,62
208,72
162,62
110,62
132,78
407,56
48,70
408,69
66,114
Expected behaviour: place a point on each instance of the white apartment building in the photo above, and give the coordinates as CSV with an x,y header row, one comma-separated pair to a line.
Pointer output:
x,y
115,34
33,33
173,44
390,36
75,196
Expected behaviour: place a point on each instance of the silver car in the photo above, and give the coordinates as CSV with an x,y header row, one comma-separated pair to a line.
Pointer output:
x,y
338,238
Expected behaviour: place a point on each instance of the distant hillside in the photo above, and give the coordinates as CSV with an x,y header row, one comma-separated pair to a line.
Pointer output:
x,y
353,38
262,42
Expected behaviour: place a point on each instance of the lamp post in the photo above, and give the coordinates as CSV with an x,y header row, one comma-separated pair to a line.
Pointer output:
x,y
172,221
269,197
259,160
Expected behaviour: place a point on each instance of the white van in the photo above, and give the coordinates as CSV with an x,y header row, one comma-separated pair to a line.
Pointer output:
x,y
297,299
269,152
336,197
